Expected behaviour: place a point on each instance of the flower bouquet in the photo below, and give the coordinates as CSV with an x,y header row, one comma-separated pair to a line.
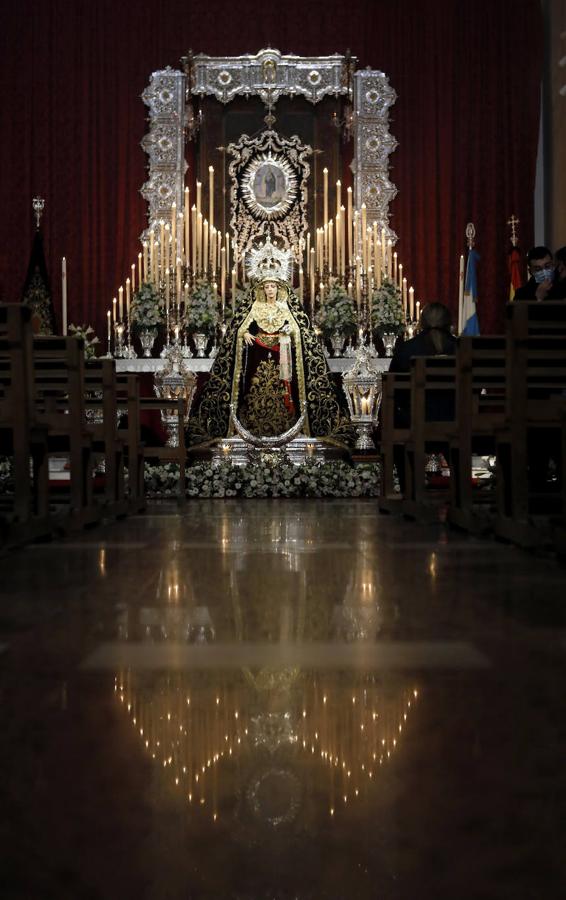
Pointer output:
x,y
202,309
86,332
337,316
387,316
146,310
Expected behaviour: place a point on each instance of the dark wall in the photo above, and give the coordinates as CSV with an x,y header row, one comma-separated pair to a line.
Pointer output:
x,y
71,120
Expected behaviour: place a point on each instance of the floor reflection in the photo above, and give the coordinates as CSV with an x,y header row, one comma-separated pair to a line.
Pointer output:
x,y
269,756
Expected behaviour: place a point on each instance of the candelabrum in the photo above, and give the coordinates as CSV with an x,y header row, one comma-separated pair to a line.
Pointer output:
x,y
362,386
175,382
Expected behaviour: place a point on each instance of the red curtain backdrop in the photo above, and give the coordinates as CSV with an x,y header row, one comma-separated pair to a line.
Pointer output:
x,y
71,120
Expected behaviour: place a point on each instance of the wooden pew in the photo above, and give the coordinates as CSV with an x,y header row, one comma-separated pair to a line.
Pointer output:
x,y
536,403
128,404
22,438
395,430
480,410
58,365
176,454
101,409
433,403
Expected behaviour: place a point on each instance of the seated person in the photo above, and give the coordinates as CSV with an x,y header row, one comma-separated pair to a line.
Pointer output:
x,y
544,282
433,339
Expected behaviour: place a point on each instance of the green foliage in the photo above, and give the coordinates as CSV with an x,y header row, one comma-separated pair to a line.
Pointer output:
x,y
266,479
86,332
202,309
337,313
387,306
146,310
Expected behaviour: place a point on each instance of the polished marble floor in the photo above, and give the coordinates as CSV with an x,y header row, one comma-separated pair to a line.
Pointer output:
x,y
281,699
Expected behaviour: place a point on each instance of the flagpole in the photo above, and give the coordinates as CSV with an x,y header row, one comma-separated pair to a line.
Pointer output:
x,y
461,294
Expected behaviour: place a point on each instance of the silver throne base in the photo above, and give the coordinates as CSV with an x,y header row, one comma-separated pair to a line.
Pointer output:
x,y
297,451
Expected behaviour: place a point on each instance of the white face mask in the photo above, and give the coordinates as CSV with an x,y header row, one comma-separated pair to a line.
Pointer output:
x,y
544,275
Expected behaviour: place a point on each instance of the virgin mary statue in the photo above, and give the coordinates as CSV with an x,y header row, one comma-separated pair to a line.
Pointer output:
x,y
270,367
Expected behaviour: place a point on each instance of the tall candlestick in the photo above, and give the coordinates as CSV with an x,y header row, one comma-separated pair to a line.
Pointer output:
x,y
145,263
233,287
174,230
325,195
187,227
411,304
199,197
161,247
194,229
338,196
64,295
349,226
211,196
205,246
114,310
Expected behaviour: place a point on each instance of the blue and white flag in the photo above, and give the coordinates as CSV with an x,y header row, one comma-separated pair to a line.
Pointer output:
x,y
470,323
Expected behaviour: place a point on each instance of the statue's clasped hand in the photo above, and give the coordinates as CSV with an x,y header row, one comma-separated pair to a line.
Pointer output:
x,y
286,329
248,338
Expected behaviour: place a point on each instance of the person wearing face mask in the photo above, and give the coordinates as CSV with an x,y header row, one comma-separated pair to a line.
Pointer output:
x,y
560,260
544,283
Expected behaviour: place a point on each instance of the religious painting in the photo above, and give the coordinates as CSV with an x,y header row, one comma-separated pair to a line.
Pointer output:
x,y
268,194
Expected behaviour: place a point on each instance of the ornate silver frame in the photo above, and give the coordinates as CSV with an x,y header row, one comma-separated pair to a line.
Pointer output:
x,y
270,75
288,219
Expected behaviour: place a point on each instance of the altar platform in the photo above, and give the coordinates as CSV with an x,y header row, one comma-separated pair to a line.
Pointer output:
x,y
337,365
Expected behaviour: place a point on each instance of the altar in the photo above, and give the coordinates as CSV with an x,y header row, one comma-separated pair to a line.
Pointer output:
x,y
274,248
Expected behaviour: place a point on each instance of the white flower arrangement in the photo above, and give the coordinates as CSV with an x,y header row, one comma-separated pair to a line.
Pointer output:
x,y
279,479
85,332
387,306
146,310
202,309
337,313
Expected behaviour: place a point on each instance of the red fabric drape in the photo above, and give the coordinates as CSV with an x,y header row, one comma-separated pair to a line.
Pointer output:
x,y
466,119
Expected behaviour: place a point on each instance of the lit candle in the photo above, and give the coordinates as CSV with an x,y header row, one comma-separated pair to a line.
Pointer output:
x,y
321,289
199,242
404,294
195,237
161,243
178,284
64,295
325,194
114,309
167,249
223,277
343,239
338,196
213,246
145,262
167,288
152,255
139,273
233,288
174,230
301,286
312,271
199,197
227,245
364,237
187,228
411,303
205,246
109,328
395,267
337,232
330,241
400,279
243,266
389,250
121,298
211,195
417,310
350,289
349,225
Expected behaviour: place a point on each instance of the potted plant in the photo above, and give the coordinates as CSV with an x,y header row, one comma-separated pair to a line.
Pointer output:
x,y
337,317
202,315
146,314
387,315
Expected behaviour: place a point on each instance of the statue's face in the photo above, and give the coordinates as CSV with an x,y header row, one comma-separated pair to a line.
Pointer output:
x,y
270,288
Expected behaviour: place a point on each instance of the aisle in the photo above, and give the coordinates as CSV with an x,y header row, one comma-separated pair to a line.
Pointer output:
x,y
323,703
